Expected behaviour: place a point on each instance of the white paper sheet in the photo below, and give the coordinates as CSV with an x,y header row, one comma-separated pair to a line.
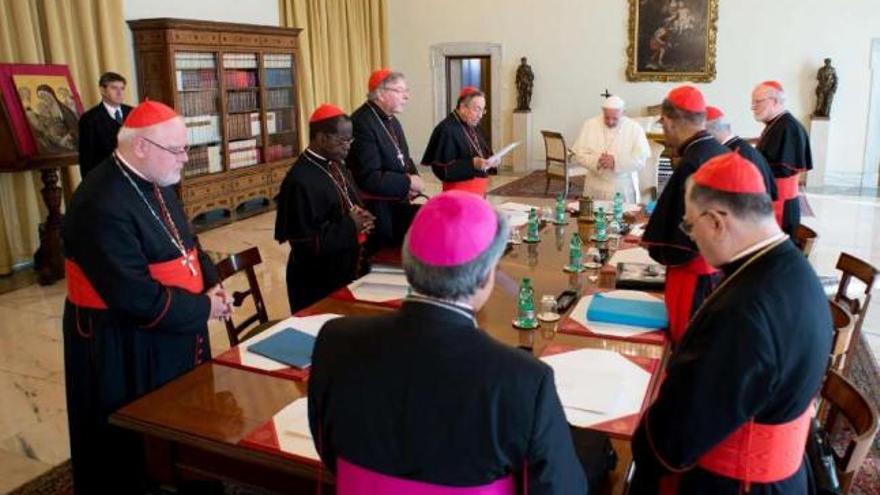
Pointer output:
x,y
607,205
307,324
595,385
505,150
517,213
631,255
379,287
579,314
292,427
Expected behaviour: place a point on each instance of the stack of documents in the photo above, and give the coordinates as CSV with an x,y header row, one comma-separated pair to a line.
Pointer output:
x,y
288,432
307,328
648,313
380,286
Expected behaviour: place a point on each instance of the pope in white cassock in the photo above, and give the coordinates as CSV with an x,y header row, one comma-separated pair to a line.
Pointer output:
x,y
613,148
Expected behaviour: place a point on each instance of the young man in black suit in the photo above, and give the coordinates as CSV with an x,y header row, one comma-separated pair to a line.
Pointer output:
x,y
98,126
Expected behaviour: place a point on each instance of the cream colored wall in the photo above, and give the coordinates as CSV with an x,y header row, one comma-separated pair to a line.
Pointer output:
x,y
577,48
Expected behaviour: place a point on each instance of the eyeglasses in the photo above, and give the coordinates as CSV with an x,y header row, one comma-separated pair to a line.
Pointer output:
x,y
173,151
688,227
402,91
759,101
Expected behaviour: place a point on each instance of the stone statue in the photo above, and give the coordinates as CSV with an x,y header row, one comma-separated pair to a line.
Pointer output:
x,y
525,81
827,85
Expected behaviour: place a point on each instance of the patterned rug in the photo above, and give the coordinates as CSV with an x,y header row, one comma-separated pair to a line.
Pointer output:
x,y
532,186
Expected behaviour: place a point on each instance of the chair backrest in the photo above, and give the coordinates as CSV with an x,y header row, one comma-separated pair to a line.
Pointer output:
x,y
352,479
843,328
841,396
244,261
852,267
554,147
804,238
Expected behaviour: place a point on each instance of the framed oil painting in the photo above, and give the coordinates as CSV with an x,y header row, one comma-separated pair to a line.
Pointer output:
x,y
43,108
672,40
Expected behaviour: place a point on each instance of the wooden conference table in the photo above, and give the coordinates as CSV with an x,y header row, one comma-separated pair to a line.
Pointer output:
x,y
192,426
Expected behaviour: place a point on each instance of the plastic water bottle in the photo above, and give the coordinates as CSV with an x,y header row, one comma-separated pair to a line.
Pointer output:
x,y
525,306
560,209
618,208
532,227
601,226
575,253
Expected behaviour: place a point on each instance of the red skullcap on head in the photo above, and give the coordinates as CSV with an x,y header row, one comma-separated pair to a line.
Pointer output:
x,y
687,98
377,77
713,113
730,173
773,84
149,113
452,229
324,112
467,90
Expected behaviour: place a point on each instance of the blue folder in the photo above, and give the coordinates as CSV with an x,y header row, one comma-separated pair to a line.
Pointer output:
x,y
649,314
289,346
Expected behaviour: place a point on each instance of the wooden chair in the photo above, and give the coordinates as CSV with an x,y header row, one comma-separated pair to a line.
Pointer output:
x,y
557,161
244,261
842,398
843,328
804,238
852,267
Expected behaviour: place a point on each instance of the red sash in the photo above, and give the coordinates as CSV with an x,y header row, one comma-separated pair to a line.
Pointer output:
x,y
477,185
754,453
681,283
172,273
787,188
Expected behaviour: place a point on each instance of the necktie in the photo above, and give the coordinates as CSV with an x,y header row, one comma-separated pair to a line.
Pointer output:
x,y
119,116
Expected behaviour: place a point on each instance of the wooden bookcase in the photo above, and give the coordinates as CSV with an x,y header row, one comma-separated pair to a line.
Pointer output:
x,y
236,86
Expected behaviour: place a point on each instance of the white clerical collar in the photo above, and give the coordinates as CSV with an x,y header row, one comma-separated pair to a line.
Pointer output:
x,y
728,140
111,109
757,246
128,166
311,152
464,308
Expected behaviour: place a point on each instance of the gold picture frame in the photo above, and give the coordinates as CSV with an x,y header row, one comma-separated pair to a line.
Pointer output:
x,y
672,40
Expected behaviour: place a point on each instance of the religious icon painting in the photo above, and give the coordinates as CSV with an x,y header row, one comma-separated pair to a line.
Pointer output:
x,y
43,107
672,40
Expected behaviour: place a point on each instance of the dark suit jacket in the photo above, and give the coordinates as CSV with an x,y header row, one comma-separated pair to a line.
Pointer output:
x,y
424,394
97,136
382,180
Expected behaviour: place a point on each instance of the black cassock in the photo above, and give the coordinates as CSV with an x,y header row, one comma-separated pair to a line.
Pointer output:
x,y
687,284
424,394
451,150
749,152
149,334
758,348
380,163
786,146
97,136
313,216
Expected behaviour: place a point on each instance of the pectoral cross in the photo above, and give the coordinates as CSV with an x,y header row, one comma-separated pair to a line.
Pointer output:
x,y
189,262
606,94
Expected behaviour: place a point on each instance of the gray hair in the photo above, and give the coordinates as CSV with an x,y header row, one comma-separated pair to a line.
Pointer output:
x,y
754,207
718,126
392,77
455,283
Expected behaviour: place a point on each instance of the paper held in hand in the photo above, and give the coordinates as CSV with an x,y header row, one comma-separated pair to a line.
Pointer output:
x,y
503,151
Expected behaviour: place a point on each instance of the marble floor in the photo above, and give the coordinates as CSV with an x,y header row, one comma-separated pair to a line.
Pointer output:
x,y
33,424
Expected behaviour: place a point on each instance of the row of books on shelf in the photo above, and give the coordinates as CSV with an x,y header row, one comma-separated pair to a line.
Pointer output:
x,y
243,125
203,160
239,61
278,151
277,98
279,77
242,101
278,121
196,79
236,79
243,153
194,60
202,129
198,103
278,61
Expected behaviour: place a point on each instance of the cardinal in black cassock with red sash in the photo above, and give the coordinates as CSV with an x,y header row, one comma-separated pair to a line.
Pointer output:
x,y
321,215
379,160
688,277
457,151
733,412
786,146
720,128
140,294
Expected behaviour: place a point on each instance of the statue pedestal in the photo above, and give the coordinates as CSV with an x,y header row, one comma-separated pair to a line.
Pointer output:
x,y
522,132
820,133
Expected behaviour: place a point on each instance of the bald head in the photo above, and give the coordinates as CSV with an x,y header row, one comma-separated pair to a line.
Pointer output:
x,y
157,152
